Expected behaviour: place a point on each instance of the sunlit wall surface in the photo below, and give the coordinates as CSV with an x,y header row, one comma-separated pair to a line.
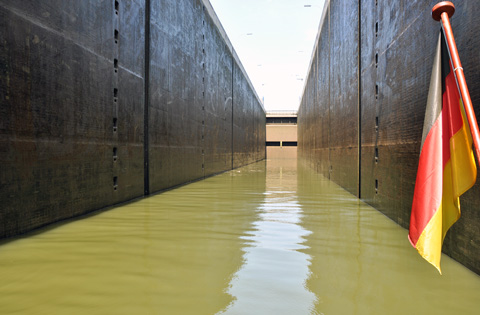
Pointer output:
x,y
104,101
361,116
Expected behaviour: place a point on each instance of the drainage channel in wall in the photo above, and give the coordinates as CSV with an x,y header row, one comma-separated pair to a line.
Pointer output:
x,y
115,95
376,101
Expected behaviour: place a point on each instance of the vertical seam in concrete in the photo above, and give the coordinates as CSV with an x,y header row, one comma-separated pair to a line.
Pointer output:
x,y
146,180
329,100
314,78
204,90
233,85
359,99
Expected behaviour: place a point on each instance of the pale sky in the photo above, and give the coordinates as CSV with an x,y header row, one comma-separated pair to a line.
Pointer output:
x,y
274,40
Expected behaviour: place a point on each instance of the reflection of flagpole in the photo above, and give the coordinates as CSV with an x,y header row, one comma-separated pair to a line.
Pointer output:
x,y
443,11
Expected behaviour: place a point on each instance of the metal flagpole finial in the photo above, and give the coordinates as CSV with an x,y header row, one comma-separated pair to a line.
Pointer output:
x,y
439,8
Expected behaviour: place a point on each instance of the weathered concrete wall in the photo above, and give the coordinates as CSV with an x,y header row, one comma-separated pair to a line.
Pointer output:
x,y
60,93
248,122
329,109
81,130
194,76
366,96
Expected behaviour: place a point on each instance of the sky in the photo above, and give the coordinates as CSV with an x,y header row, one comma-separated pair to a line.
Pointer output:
x,y
274,40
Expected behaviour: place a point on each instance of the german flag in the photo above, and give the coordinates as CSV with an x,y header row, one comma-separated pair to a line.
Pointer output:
x,y
446,167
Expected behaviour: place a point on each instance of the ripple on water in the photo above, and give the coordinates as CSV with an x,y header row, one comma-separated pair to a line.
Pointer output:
x,y
263,239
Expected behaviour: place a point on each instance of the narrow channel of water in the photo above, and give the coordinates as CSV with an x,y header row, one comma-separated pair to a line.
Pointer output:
x,y
268,238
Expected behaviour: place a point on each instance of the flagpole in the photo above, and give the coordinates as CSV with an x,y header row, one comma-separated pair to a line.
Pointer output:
x,y
443,11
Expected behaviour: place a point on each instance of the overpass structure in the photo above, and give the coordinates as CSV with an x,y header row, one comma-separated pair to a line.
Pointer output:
x,y
281,134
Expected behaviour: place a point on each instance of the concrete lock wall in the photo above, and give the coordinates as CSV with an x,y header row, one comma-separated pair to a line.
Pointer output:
x,y
104,101
361,116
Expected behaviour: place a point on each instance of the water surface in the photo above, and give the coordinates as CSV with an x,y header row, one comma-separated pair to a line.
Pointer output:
x,y
268,238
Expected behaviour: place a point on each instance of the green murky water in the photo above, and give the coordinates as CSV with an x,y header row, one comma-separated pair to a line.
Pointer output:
x,y
263,239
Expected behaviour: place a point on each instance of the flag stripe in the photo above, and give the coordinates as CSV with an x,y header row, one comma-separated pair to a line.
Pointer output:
x,y
428,187
429,242
464,170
